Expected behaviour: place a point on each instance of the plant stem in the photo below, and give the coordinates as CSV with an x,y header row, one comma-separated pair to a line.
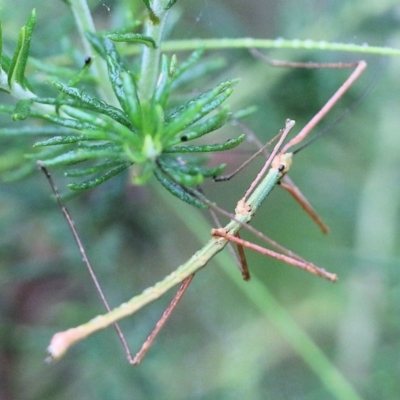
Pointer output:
x,y
20,93
248,43
153,28
84,21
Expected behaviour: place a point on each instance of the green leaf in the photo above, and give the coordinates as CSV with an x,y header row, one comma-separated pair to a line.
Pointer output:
x,y
116,69
59,72
22,110
200,70
130,27
142,171
46,153
183,179
57,140
98,181
152,121
83,116
162,90
191,169
121,79
78,77
58,102
132,38
98,44
84,154
170,4
229,144
191,61
66,122
211,124
114,72
16,72
178,191
196,108
173,65
132,103
93,103
147,4
48,130
5,63
152,15
93,169
212,172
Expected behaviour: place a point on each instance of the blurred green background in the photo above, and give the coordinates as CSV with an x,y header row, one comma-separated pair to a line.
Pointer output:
x,y
218,344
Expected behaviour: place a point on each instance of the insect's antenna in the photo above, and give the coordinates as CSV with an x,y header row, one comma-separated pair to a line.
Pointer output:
x,y
84,256
251,136
367,90
262,149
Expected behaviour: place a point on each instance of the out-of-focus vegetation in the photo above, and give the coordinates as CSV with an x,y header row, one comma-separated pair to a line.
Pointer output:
x,y
217,344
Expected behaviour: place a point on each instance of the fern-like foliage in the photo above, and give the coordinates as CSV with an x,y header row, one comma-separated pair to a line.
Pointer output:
x,y
100,140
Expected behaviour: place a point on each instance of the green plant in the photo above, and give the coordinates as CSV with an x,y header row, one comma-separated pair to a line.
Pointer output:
x,y
83,109
147,129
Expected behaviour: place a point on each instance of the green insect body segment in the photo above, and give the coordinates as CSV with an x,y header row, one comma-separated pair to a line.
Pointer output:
x,y
280,166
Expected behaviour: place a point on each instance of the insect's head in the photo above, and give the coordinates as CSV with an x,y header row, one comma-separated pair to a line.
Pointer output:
x,y
282,162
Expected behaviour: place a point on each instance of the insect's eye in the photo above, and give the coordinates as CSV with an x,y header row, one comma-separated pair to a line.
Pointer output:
x,y
281,168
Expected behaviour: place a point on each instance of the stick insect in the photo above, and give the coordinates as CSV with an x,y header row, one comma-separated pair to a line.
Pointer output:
x,y
272,173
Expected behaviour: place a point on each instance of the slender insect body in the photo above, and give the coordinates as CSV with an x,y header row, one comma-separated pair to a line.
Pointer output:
x,y
274,170
261,192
